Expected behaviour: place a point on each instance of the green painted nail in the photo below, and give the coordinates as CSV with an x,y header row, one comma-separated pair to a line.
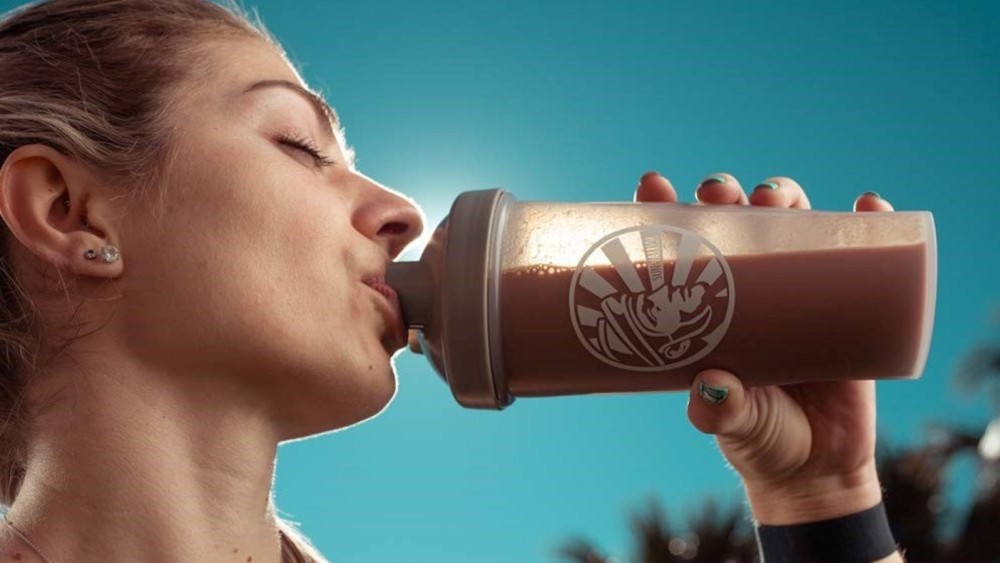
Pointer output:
x,y
714,180
712,394
771,185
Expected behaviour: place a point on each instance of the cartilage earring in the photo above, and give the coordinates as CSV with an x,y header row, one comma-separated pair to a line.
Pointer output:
x,y
108,253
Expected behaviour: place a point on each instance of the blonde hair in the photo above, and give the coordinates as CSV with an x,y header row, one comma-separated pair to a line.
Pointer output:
x,y
91,78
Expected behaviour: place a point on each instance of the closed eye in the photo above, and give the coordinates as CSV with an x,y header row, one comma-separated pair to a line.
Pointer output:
x,y
304,144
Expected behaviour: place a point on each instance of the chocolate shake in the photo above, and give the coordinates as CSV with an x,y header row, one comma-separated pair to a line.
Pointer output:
x,y
797,316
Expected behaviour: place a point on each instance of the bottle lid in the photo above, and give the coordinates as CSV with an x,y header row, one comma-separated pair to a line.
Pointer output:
x,y
451,299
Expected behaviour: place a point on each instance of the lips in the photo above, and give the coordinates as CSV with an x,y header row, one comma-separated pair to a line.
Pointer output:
x,y
391,310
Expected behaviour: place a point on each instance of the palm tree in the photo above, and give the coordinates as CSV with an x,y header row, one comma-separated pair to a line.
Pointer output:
x,y
713,535
914,479
978,540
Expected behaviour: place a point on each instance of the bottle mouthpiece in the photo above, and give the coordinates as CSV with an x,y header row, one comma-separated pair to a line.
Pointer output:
x,y
415,287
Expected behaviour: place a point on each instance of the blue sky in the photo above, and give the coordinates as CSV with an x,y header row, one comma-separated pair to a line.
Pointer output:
x,y
572,101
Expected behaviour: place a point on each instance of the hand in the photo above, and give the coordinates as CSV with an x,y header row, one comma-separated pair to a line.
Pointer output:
x,y
805,452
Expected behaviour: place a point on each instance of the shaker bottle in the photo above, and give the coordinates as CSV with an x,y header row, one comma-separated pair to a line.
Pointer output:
x,y
528,299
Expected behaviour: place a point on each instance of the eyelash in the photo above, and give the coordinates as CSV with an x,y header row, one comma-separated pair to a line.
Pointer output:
x,y
307,146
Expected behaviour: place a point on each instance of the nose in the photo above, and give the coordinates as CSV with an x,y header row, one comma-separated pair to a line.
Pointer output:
x,y
387,218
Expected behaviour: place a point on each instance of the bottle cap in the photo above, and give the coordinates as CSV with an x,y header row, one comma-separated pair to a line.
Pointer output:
x,y
450,299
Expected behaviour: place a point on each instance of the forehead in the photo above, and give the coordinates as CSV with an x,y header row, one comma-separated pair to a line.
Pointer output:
x,y
228,66
229,70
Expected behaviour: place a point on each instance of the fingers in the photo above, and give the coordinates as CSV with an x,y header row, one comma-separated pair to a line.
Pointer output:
x,y
655,188
720,189
779,191
718,404
871,201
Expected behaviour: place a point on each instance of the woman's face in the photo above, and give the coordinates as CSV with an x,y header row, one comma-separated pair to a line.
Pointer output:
x,y
257,277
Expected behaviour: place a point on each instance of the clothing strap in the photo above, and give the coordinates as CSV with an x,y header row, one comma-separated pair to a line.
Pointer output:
x,y
861,537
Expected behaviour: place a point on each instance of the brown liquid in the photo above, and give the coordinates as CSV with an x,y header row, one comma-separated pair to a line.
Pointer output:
x,y
798,316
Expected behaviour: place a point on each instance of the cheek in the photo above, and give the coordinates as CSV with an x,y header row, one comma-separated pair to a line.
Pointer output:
x,y
327,309
323,268
268,258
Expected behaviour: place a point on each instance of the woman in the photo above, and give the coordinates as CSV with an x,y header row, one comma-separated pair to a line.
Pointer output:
x,y
187,253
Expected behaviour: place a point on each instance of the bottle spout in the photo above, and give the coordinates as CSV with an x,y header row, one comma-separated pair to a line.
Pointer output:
x,y
414,285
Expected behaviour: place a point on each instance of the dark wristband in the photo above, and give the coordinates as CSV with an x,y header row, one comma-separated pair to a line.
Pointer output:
x,y
861,537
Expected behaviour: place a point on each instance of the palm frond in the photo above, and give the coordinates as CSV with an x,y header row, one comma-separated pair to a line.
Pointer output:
x,y
980,367
979,541
579,550
913,481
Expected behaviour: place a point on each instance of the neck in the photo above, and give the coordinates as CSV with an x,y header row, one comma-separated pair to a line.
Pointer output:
x,y
142,466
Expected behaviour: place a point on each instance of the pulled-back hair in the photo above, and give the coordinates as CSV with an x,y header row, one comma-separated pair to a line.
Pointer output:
x,y
91,79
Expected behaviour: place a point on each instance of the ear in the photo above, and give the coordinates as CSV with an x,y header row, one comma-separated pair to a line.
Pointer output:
x,y
55,206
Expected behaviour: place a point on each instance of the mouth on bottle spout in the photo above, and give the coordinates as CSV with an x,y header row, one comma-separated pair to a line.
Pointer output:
x,y
415,287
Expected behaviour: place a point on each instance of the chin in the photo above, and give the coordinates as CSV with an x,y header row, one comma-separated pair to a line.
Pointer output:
x,y
381,407
377,398
369,395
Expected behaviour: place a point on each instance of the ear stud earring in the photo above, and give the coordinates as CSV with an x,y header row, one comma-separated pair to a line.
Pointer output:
x,y
108,253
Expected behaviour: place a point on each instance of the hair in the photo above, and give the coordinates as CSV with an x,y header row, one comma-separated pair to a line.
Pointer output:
x,y
92,79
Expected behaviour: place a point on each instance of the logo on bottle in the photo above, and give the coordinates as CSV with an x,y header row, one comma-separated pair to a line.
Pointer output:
x,y
651,298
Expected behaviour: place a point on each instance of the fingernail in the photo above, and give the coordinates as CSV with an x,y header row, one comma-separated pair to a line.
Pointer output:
x,y
712,395
650,174
875,194
769,185
713,180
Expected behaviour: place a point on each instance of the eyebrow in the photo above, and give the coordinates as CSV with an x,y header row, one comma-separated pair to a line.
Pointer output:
x,y
327,117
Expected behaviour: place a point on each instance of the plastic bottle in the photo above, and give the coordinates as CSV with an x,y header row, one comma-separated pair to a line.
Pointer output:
x,y
527,299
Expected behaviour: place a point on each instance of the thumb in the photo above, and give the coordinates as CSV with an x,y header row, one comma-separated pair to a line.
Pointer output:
x,y
719,405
